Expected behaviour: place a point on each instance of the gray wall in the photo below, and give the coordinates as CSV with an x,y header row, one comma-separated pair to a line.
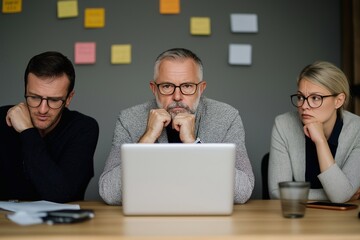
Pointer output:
x,y
291,35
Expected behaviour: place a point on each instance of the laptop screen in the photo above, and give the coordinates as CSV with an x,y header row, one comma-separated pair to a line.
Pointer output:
x,y
178,179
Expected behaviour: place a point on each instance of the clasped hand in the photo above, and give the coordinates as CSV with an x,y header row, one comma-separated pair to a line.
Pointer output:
x,y
158,119
18,117
315,131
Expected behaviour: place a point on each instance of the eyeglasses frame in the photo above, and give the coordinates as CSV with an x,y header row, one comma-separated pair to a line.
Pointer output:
x,y
47,102
177,86
306,99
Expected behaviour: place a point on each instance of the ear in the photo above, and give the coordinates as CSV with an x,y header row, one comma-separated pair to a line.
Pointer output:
x,y
339,100
153,87
69,98
202,87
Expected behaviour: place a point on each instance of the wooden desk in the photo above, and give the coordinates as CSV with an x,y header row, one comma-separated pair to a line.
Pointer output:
x,y
257,219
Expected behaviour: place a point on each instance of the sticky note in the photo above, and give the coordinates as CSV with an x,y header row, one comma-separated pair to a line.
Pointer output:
x,y
246,23
85,52
12,6
240,54
67,9
169,6
121,54
94,17
200,26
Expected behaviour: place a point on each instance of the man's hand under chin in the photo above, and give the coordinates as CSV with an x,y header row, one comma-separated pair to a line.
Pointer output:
x,y
18,117
157,120
184,123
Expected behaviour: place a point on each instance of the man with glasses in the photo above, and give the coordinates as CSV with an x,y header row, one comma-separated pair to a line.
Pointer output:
x,y
46,150
319,143
178,114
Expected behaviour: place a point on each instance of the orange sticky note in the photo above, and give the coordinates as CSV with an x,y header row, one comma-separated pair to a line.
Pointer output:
x,y
12,6
94,17
67,9
121,54
85,52
200,26
169,6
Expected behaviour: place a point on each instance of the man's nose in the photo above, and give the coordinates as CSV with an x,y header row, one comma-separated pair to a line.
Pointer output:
x,y
177,95
43,107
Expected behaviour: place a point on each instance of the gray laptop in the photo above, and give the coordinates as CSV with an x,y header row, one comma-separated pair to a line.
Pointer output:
x,y
178,179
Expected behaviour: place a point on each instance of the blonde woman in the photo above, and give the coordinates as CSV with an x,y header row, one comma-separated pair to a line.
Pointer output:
x,y
320,143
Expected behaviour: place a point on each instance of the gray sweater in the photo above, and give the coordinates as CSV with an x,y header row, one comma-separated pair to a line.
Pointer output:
x,y
216,122
287,158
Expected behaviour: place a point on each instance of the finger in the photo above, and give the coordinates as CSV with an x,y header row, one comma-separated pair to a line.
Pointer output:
x,y
166,118
175,124
177,127
8,121
306,131
167,121
8,117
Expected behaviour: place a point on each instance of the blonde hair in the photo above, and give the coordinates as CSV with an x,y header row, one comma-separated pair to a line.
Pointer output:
x,y
329,76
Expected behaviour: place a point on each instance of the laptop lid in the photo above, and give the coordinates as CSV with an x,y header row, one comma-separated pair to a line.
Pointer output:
x,y
178,179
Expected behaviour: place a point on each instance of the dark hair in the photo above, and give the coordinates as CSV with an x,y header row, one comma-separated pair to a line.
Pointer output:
x,y
178,54
51,64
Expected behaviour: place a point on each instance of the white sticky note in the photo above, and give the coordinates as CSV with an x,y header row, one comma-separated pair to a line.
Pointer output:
x,y
240,54
247,23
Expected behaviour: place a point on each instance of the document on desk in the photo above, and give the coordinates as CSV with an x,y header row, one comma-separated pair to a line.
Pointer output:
x,y
27,213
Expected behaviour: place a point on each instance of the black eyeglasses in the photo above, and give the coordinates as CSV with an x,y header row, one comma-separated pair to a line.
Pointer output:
x,y
313,100
35,101
169,88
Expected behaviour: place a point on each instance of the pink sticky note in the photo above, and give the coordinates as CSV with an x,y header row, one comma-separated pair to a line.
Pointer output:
x,y
85,52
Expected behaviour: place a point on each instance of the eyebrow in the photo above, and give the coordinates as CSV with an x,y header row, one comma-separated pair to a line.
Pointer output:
x,y
175,84
313,93
48,97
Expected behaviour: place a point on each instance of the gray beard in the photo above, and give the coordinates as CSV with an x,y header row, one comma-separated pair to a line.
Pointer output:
x,y
173,105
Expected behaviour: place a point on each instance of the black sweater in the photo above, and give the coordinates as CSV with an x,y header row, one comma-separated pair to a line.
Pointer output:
x,y
56,168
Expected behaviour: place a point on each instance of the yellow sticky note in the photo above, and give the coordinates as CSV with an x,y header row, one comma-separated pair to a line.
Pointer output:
x,y
67,9
94,17
169,6
200,26
121,54
12,6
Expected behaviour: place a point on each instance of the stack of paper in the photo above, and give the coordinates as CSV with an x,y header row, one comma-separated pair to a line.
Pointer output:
x,y
27,213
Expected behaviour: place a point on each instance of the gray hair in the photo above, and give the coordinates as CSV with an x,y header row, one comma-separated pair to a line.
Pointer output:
x,y
329,76
178,54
